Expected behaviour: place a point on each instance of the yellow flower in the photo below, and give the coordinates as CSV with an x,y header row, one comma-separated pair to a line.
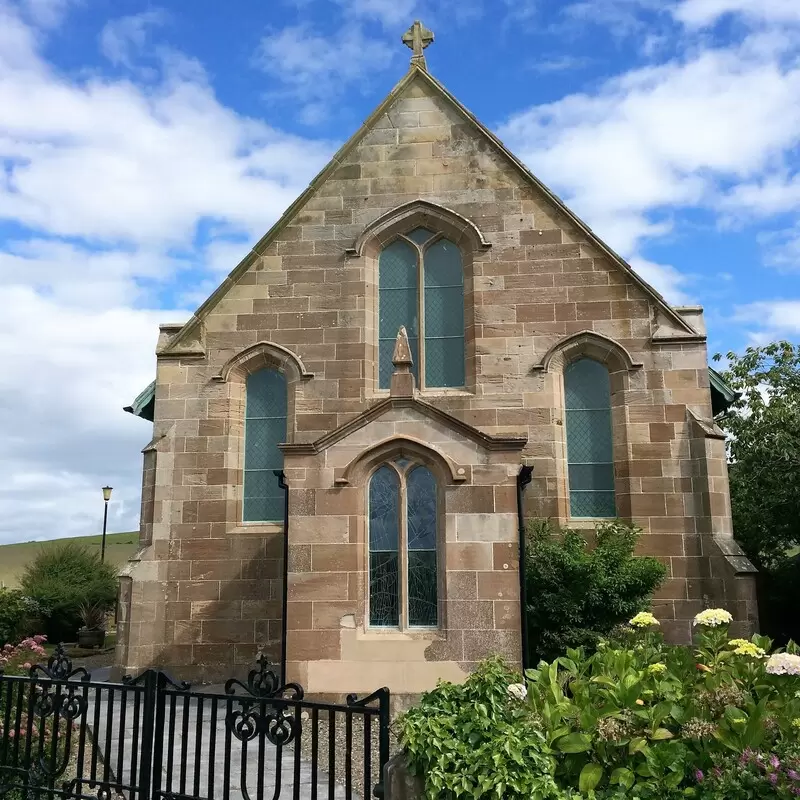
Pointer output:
x,y
640,702
644,619
749,649
737,642
796,722
657,669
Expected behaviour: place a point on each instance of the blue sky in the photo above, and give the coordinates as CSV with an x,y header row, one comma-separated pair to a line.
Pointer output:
x,y
145,146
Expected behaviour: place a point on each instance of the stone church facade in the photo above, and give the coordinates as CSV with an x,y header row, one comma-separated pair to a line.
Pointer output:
x,y
525,341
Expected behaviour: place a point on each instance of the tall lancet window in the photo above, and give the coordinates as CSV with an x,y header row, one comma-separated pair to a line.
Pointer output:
x,y
264,430
421,287
403,526
587,389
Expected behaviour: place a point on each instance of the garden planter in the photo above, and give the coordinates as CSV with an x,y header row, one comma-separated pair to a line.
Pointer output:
x,y
89,638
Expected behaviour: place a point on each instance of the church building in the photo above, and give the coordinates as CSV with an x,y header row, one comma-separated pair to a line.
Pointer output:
x,y
426,352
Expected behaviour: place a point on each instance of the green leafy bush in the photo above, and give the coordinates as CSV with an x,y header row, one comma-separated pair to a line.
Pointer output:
x,y
468,740
635,719
62,579
577,594
20,616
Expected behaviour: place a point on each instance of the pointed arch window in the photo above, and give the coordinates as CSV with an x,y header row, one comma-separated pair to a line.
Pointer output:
x,y
264,430
590,459
421,286
403,528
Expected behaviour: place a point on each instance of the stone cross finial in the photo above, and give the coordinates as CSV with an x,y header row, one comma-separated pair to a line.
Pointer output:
x,y
402,383
418,37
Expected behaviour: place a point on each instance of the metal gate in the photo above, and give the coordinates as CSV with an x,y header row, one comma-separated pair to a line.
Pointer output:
x,y
150,738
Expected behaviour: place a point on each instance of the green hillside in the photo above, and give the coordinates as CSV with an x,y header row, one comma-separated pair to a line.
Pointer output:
x,y
13,557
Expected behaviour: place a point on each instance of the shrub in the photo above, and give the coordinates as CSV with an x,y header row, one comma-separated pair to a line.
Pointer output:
x,y
576,594
472,741
636,719
20,616
62,579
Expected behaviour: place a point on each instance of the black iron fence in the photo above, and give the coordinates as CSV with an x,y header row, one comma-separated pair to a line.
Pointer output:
x,y
63,735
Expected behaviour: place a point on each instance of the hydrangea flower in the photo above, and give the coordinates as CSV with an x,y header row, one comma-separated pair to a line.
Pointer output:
x,y
657,669
518,691
783,664
749,649
713,618
644,619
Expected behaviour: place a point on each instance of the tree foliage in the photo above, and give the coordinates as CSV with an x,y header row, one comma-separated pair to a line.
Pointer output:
x,y
576,593
62,579
763,428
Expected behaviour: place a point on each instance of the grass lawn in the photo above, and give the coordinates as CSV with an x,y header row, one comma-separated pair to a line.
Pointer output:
x,y
14,557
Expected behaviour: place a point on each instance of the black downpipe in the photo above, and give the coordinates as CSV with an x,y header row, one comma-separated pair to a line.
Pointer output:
x,y
281,476
523,480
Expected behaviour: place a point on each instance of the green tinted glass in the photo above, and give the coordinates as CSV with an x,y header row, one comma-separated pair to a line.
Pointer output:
x,y
444,316
264,430
587,390
397,305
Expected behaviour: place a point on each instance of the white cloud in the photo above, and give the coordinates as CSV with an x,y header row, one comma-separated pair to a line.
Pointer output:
x,y
122,38
701,13
388,12
773,319
109,186
782,248
662,138
772,195
315,68
665,279
47,13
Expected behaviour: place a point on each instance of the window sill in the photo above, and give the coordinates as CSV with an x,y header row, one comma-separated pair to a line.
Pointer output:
x,y
257,527
587,522
391,634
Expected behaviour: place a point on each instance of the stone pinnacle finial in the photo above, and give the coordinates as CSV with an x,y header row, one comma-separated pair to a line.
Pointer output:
x,y
418,37
402,383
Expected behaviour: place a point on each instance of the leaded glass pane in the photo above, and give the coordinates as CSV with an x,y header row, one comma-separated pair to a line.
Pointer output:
x,y
592,504
265,429
589,436
397,304
422,589
384,590
444,316
444,362
421,494
420,235
587,385
384,538
384,510
421,522
589,439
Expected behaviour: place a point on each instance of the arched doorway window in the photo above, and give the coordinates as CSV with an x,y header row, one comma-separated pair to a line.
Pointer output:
x,y
403,559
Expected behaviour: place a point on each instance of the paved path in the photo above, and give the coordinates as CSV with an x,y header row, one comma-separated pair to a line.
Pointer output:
x,y
196,771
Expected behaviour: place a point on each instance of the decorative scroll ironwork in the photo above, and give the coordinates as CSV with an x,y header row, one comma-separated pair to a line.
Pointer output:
x,y
263,682
59,667
154,738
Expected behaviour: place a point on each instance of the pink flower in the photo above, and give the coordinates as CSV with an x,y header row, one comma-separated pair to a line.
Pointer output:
x,y
27,665
39,638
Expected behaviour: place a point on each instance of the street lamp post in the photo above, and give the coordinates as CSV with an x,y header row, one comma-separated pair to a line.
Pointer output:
x,y
106,497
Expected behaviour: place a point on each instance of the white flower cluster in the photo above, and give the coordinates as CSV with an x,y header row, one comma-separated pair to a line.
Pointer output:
x,y
517,691
783,664
644,619
713,618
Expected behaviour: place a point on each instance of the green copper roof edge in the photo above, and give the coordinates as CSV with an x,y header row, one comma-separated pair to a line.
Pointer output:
x,y
718,383
143,399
